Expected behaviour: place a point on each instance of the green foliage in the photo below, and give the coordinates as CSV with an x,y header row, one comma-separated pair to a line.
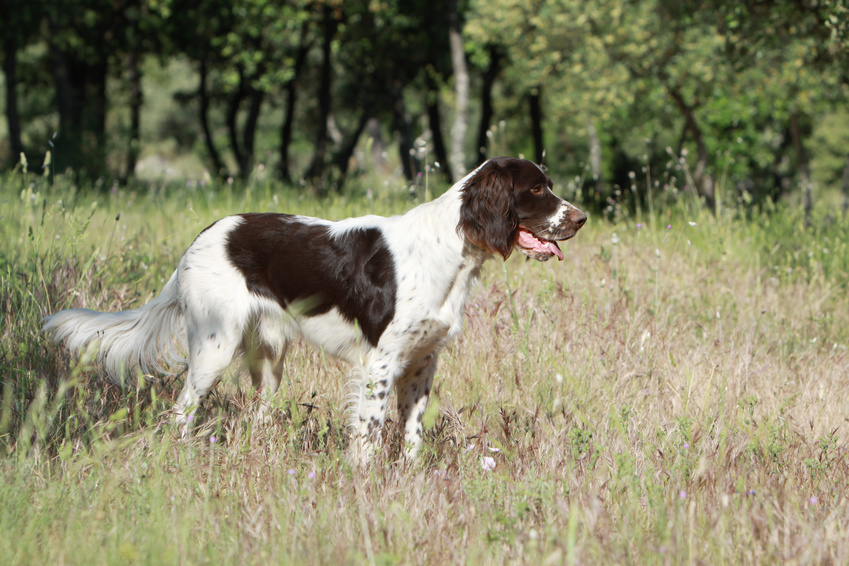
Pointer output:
x,y
628,90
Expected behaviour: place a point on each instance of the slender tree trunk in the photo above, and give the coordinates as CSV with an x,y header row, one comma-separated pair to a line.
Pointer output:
x,y
343,158
93,107
489,77
80,88
595,156
406,140
435,123
136,100
329,27
378,147
67,149
233,127
214,156
804,166
461,90
249,132
291,99
10,51
535,99
702,180
682,139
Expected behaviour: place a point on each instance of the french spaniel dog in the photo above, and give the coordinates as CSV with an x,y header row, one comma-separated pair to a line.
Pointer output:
x,y
384,294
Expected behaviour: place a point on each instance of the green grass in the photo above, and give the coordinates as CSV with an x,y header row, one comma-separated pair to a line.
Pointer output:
x,y
673,392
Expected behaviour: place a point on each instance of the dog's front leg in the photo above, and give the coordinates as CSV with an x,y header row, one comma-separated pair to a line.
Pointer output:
x,y
372,386
413,392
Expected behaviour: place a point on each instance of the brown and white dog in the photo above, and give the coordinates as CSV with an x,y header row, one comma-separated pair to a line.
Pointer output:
x,y
384,294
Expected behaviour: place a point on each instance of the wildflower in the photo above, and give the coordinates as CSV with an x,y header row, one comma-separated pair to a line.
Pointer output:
x,y
682,494
669,226
290,471
813,500
751,492
493,449
488,463
692,223
469,448
639,226
190,418
614,238
558,378
213,439
311,475
685,445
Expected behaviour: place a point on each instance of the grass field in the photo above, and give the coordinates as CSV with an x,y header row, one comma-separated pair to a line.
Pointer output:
x,y
675,391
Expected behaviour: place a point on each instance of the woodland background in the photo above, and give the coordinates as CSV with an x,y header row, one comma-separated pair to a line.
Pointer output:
x,y
749,95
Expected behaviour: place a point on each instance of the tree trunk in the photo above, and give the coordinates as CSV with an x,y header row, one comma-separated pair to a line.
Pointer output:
x,y
701,179
343,158
435,123
461,90
595,156
536,124
208,140
489,77
329,26
406,140
804,167
10,51
80,88
233,127
249,131
136,100
291,98
378,147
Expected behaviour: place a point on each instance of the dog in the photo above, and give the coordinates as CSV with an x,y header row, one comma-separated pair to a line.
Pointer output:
x,y
384,294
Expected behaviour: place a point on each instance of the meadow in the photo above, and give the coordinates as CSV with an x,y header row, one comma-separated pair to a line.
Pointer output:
x,y
673,392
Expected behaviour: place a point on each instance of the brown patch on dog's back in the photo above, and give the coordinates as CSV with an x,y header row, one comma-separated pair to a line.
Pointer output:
x,y
288,260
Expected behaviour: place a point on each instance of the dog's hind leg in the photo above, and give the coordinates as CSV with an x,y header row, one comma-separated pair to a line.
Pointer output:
x,y
264,354
265,345
211,349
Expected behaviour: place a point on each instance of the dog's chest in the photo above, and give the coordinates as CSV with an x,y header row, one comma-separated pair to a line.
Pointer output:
x,y
431,302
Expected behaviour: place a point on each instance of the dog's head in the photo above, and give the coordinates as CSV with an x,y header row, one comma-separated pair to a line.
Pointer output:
x,y
508,203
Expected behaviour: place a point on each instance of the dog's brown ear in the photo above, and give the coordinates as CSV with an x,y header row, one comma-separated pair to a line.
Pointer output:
x,y
488,216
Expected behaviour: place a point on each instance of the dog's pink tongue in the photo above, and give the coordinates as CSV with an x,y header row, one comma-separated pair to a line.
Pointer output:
x,y
529,241
555,249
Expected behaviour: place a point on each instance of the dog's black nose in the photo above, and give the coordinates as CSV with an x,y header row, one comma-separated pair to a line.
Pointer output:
x,y
579,218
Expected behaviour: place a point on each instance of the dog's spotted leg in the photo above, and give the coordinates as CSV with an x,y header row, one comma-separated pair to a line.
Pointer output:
x,y
265,363
209,355
413,392
372,398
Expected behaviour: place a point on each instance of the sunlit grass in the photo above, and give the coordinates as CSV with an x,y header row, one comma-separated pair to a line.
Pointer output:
x,y
673,392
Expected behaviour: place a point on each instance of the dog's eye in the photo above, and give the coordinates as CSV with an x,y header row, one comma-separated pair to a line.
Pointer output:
x,y
537,190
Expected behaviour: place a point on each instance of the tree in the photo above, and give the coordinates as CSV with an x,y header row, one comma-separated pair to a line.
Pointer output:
x,y
21,19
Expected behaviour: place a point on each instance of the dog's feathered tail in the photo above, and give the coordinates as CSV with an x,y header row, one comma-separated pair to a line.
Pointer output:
x,y
149,338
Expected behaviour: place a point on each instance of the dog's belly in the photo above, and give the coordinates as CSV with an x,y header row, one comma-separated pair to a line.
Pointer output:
x,y
336,335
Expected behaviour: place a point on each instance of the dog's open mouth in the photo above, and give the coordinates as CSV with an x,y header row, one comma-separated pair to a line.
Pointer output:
x,y
536,247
